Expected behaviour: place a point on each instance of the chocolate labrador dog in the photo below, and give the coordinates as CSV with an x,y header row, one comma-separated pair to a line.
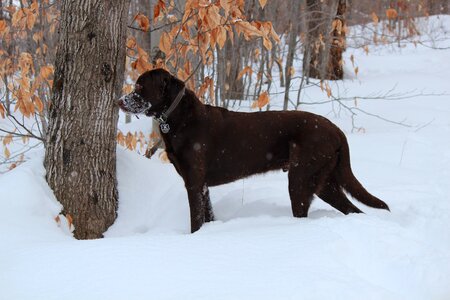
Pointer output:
x,y
210,146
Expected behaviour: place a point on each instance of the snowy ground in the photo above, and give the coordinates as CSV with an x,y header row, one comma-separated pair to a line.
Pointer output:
x,y
256,249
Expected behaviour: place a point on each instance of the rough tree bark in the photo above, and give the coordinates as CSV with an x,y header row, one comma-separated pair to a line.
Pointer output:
x,y
80,156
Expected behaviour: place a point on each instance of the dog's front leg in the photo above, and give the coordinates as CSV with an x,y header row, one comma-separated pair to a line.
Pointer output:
x,y
196,204
194,180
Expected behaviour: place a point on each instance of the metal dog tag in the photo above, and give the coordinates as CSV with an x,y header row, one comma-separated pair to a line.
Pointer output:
x,y
165,128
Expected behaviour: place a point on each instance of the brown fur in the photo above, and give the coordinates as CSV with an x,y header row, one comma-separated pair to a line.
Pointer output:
x,y
210,146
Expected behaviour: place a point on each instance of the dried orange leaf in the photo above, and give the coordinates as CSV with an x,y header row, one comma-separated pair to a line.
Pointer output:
x,y
165,42
143,22
262,101
221,37
213,16
247,29
246,70
38,103
337,25
128,88
391,14
291,71
212,98
156,12
58,220
120,138
2,111
267,43
225,4
366,49
328,89
2,26
18,17
375,18
262,3
31,20
131,42
7,139
69,220
154,135
202,90
47,71
7,153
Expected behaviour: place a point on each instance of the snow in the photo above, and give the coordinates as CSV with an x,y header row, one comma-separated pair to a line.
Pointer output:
x,y
256,249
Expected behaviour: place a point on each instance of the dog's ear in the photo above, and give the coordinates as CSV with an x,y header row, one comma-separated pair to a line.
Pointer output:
x,y
171,86
176,84
165,84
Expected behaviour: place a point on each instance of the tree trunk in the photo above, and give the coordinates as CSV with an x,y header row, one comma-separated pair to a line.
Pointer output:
x,y
335,64
9,46
80,156
323,51
313,43
293,34
233,66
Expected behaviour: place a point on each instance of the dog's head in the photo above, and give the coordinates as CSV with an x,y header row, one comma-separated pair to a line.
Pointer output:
x,y
153,92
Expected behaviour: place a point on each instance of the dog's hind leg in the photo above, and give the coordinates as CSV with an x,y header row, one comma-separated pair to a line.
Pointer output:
x,y
302,183
330,191
300,192
209,214
332,194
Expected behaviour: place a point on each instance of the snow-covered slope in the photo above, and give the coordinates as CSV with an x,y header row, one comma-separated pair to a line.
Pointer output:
x,y
256,249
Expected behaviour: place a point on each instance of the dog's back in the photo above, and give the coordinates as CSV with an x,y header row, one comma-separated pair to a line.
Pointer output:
x,y
243,144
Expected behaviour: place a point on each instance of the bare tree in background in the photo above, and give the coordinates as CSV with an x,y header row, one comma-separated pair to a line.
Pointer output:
x,y
325,39
292,44
80,156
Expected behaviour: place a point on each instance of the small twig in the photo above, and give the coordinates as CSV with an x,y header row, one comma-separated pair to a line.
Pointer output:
x,y
401,123
21,134
432,47
153,29
25,128
11,160
425,125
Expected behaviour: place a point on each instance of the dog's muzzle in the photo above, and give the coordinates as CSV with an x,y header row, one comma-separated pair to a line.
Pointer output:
x,y
133,103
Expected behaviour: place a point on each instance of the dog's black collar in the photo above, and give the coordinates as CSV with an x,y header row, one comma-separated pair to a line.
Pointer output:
x,y
162,118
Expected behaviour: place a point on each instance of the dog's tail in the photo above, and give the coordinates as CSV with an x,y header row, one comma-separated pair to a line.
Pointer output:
x,y
348,181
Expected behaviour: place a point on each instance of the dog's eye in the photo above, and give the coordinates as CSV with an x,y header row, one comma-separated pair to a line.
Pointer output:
x,y
137,87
